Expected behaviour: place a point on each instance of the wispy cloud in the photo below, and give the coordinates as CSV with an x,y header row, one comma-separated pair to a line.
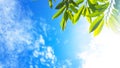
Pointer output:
x,y
45,54
17,39
20,44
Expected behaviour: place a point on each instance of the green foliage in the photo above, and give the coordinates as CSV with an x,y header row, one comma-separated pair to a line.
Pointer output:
x,y
64,20
74,9
78,14
99,28
96,12
58,13
87,13
50,3
60,5
96,23
79,2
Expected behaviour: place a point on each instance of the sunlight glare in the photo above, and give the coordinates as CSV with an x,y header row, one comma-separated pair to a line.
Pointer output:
x,y
103,51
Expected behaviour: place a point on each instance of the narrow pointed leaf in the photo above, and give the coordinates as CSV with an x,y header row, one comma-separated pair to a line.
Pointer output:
x,y
102,0
102,7
58,13
78,14
93,1
94,14
74,3
63,23
73,8
64,20
60,5
99,28
50,3
92,4
79,1
87,13
84,12
95,23
70,15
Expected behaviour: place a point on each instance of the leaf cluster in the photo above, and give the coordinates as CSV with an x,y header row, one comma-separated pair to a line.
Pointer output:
x,y
92,10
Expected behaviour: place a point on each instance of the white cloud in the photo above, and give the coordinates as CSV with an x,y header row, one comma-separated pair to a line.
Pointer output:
x,y
42,40
68,62
16,34
44,53
11,28
103,51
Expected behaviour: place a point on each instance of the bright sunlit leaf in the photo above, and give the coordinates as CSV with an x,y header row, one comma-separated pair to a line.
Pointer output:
x,y
58,13
87,13
64,20
99,28
78,14
73,8
50,3
96,23
60,5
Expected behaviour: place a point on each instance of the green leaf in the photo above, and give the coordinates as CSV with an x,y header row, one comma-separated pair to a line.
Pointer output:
x,y
102,0
94,14
99,28
78,14
79,1
96,23
84,11
70,15
64,20
58,13
87,13
60,5
102,7
50,3
113,22
63,23
74,3
92,4
93,1
73,8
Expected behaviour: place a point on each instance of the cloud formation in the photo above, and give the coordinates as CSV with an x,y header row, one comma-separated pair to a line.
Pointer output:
x,y
18,46
21,46
103,51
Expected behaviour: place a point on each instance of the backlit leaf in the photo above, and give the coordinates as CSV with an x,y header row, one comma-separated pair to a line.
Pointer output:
x,y
92,4
64,20
70,15
102,7
84,11
96,23
79,1
87,13
78,14
93,1
74,3
114,23
94,14
58,13
99,28
50,3
73,8
60,5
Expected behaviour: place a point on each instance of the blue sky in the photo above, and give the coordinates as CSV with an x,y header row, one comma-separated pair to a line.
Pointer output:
x,y
62,41
31,39
31,31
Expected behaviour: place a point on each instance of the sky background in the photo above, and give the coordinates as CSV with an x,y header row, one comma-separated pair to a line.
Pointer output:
x,y
29,38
